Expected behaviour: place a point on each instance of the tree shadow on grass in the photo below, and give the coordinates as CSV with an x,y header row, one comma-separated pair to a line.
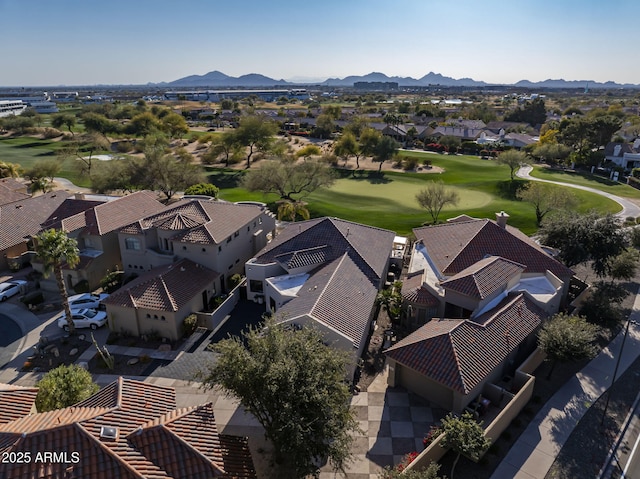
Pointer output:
x,y
373,177
224,179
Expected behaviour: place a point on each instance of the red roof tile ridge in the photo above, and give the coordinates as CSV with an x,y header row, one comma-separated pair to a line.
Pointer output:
x,y
53,419
414,337
167,292
459,366
497,312
108,451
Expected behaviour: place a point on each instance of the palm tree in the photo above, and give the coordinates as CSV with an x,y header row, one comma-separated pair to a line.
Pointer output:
x,y
54,248
290,209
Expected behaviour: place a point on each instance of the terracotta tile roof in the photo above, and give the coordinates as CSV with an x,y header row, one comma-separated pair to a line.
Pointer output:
x,y
22,219
371,245
483,278
11,191
414,292
153,439
165,288
456,246
461,353
69,208
16,402
111,215
198,221
338,294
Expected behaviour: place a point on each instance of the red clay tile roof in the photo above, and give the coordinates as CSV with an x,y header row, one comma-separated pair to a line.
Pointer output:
x,y
22,219
70,207
115,214
456,246
11,191
461,353
165,288
153,439
198,221
414,292
16,402
483,278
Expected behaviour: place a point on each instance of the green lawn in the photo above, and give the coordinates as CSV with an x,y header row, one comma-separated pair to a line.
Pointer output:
x,y
389,201
25,151
585,179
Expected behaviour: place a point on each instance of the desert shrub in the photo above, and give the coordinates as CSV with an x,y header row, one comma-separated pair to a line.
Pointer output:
x,y
234,280
409,163
33,298
189,325
49,133
82,286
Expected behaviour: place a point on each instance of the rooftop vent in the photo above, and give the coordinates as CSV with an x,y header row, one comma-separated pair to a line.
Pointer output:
x,y
109,432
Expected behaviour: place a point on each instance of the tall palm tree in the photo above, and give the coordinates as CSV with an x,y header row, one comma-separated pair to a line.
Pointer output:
x,y
54,248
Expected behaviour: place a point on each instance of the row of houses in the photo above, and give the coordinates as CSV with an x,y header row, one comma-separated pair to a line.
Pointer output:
x,y
469,281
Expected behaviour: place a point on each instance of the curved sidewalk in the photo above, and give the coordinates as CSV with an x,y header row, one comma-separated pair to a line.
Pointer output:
x,y
532,455
628,208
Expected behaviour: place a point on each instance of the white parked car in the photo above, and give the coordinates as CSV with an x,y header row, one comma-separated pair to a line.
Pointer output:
x,y
11,288
84,318
87,300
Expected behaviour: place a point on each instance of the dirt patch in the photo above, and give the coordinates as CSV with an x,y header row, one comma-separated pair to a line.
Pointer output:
x,y
148,342
51,354
121,365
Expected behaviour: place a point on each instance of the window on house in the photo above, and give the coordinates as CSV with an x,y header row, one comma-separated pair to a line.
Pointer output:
x,y
204,250
260,220
132,243
255,286
184,248
235,235
219,248
229,239
87,243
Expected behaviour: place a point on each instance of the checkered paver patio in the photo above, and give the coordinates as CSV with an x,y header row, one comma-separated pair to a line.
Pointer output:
x,y
393,423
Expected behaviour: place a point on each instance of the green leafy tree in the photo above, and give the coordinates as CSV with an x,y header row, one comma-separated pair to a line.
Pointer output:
x,y
325,126
625,265
585,237
347,146
64,119
436,196
385,150
123,174
463,435
226,146
84,149
174,125
97,123
41,174
64,386
533,112
546,198
54,248
256,134
513,159
369,139
451,143
566,338
308,151
294,385
144,124
288,178
207,189
169,175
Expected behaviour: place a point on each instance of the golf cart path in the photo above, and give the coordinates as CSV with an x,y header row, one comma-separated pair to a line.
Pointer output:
x,y
628,207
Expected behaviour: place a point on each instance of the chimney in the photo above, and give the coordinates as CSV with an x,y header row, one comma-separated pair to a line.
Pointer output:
x,y
79,196
501,219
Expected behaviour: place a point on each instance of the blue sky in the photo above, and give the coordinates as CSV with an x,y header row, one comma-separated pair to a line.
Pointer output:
x,y
86,42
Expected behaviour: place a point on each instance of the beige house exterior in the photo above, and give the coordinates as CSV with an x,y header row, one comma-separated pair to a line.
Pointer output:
x,y
96,231
325,273
477,291
158,301
218,235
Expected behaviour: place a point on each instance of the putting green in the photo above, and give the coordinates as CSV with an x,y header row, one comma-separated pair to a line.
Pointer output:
x,y
402,192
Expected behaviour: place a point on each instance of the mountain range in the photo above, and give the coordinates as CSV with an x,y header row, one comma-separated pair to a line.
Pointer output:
x,y
255,80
